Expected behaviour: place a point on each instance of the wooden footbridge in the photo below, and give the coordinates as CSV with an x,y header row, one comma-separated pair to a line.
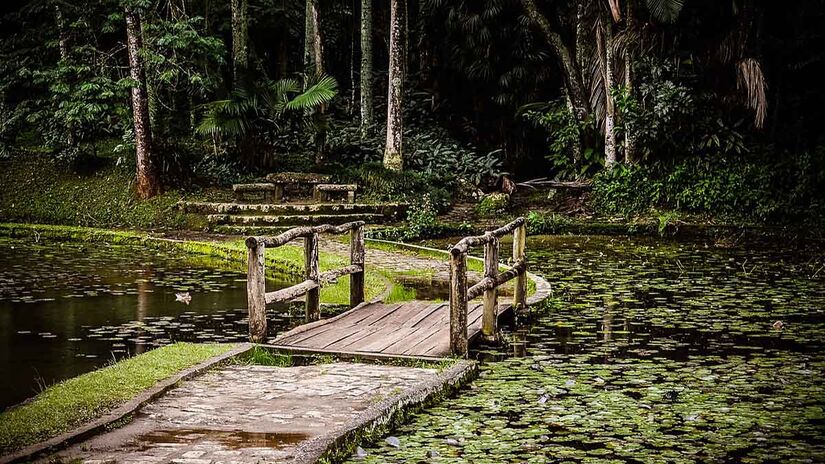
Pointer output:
x,y
413,328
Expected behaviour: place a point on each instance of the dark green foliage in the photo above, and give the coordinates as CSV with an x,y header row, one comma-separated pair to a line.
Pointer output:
x,y
38,189
766,189
379,184
564,134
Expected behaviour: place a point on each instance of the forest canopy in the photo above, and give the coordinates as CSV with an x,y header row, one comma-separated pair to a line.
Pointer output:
x,y
694,104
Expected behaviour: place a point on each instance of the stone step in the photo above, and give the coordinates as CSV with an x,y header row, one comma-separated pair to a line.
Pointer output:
x,y
292,220
249,230
391,210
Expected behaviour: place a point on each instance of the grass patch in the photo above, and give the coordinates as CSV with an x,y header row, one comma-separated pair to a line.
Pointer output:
x,y
35,188
261,356
76,401
400,293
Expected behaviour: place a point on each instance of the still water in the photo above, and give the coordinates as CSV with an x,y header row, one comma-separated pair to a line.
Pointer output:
x,y
68,308
649,351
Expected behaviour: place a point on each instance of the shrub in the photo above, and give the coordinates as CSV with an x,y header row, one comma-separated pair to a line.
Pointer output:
x,y
756,188
493,204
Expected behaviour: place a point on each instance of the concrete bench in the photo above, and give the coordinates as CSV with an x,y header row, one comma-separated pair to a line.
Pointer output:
x,y
322,191
271,191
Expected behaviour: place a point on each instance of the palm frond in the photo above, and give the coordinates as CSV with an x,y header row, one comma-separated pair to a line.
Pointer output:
x,y
751,80
666,11
319,93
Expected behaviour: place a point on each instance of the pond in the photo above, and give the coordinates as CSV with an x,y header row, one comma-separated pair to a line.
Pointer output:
x,y
68,308
648,351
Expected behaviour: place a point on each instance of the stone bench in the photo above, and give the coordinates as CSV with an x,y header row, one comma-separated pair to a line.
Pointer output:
x,y
271,191
322,191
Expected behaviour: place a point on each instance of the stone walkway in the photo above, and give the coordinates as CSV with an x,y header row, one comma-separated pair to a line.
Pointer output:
x,y
248,414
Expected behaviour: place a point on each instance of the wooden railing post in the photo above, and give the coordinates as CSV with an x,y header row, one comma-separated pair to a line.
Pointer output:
x,y
313,298
519,243
357,255
489,318
256,290
458,303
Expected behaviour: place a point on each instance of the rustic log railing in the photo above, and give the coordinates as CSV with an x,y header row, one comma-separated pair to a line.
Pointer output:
x,y
258,297
460,294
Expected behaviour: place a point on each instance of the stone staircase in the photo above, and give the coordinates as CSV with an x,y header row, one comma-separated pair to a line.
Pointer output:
x,y
271,218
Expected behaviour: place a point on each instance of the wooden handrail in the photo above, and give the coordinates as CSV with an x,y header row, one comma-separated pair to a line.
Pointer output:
x,y
257,296
464,245
488,283
488,286
305,231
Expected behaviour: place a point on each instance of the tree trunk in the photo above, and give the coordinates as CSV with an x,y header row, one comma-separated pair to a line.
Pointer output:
x,y
309,37
605,49
63,34
148,180
318,62
352,74
567,59
629,131
63,45
317,43
393,158
240,40
366,68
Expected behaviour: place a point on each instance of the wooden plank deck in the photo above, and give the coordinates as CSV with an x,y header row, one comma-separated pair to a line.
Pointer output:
x,y
413,328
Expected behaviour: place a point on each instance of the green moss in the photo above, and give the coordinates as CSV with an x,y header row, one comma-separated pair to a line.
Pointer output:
x,y
81,399
36,189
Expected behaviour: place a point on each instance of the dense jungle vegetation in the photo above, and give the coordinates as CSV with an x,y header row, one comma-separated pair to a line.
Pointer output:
x,y
692,106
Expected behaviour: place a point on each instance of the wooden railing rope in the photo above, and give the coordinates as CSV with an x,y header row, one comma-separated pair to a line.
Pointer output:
x,y
257,296
488,286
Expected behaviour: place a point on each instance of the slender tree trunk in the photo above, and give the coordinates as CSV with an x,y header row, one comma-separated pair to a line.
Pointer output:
x,y
606,57
63,45
567,59
63,33
629,57
366,68
317,41
318,61
393,158
240,41
309,37
353,87
148,179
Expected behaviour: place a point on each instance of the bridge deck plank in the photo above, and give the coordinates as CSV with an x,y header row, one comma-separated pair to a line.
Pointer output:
x,y
415,328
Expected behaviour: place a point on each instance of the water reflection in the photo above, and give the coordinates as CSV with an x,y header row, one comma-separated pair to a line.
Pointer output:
x,y
68,308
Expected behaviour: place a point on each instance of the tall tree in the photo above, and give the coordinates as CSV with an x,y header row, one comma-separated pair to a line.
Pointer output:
x,y
309,36
63,33
148,179
313,42
240,40
605,49
366,67
393,157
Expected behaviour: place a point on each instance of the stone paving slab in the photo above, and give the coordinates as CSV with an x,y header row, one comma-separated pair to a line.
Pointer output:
x,y
247,414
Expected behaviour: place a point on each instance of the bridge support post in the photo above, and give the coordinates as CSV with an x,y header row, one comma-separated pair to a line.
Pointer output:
x,y
489,320
458,304
313,297
519,244
357,256
256,291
